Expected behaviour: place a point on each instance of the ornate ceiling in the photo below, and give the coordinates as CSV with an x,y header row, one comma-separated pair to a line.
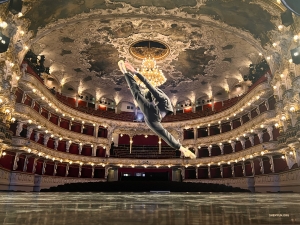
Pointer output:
x,y
211,42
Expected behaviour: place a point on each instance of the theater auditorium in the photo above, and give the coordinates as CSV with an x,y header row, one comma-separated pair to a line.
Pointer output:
x,y
74,144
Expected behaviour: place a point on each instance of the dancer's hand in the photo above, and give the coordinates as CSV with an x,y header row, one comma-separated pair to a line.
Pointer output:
x,y
130,67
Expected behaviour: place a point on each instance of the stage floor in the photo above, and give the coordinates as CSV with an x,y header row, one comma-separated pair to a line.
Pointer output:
x,y
149,208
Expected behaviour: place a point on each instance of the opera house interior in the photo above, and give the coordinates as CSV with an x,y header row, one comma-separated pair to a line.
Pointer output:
x,y
69,122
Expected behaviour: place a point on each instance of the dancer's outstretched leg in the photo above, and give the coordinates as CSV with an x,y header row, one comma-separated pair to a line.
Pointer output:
x,y
151,113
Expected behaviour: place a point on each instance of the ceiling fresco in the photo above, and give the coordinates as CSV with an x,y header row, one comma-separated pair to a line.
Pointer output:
x,y
212,43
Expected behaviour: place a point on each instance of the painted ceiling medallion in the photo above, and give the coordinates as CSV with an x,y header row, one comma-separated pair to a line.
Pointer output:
x,y
146,48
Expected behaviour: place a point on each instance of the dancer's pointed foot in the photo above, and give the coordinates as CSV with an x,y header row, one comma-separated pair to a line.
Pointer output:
x,y
122,66
187,153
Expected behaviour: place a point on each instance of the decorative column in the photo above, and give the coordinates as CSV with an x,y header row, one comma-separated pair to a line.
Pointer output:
x,y
233,143
55,169
159,145
221,148
249,115
241,121
196,169
29,132
208,172
208,130
80,169
93,171
68,144
232,170
270,132
257,110
267,104
130,144
81,128
80,148
40,110
23,97
32,103
19,128
260,136
49,115
94,151
58,122
244,168
231,124
297,155
290,159
37,136
67,169
220,128
251,138
243,142
261,164
107,168
70,125
196,151
96,129
221,170
34,165
44,167
252,167
195,133
209,150
25,163
182,172
56,141
46,139
271,163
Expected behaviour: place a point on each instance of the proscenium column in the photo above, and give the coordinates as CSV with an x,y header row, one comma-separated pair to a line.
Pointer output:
x,y
130,144
96,129
195,133
159,145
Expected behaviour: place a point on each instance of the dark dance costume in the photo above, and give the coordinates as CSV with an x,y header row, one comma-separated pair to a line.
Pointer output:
x,y
152,113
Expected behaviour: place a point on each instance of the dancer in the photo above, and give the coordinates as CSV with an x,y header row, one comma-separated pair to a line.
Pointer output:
x,y
153,113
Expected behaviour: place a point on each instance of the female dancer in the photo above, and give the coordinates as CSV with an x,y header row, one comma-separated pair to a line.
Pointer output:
x,y
155,105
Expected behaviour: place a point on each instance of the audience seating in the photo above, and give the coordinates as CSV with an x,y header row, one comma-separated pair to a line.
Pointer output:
x,y
143,186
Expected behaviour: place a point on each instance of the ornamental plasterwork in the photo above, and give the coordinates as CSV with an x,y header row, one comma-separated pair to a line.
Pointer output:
x,y
67,157
266,119
24,113
29,82
161,18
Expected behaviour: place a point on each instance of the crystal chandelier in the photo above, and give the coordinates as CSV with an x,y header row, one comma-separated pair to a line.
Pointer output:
x,y
151,72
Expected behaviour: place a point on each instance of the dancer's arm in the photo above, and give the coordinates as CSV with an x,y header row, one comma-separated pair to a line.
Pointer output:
x,y
148,85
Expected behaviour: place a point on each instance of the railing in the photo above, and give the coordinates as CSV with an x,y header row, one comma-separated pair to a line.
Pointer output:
x,y
130,116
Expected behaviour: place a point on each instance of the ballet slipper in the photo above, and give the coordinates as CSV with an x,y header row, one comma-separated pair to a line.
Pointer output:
x,y
122,66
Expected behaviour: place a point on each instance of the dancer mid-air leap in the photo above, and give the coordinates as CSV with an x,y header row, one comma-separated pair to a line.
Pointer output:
x,y
153,112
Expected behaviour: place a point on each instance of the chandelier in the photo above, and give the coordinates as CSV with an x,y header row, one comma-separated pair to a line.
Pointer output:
x,y
151,72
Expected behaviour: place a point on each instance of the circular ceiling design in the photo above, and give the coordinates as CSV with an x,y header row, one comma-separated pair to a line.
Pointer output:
x,y
204,48
149,49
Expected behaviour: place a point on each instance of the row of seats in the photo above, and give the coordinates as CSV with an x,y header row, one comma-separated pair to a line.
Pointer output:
x,y
143,186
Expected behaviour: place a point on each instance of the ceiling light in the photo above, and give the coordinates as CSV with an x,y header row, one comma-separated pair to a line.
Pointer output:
x,y
291,153
268,58
282,157
276,125
29,150
296,37
3,24
34,90
296,53
260,54
290,60
274,44
280,27
150,71
292,109
20,14
39,127
29,121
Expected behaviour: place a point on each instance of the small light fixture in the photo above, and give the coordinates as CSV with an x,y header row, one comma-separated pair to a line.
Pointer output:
x,y
29,150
